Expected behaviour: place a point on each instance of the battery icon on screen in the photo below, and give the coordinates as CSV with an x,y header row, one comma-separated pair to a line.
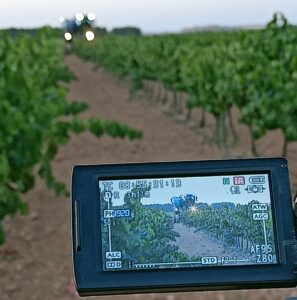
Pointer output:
x,y
257,179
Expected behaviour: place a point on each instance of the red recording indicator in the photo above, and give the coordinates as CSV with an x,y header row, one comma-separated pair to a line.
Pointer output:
x,y
239,180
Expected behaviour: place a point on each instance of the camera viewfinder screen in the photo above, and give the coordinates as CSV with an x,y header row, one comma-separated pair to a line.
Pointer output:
x,y
186,222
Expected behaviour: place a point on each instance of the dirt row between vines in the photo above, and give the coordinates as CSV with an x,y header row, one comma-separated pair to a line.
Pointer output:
x,y
189,238
36,262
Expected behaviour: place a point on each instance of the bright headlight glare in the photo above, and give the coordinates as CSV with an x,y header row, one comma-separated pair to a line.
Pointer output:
x,y
67,36
193,208
90,35
91,16
79,17
61,19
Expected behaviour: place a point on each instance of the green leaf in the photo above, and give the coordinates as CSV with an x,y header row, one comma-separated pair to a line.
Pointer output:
x,y
2,235
24,208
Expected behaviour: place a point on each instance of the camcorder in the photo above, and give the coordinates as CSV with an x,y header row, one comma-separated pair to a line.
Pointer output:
x,y
183,226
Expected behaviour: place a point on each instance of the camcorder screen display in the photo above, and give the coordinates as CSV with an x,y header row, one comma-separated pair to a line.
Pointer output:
x,y
186,222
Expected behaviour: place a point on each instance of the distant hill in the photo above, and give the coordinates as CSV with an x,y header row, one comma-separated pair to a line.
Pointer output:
x,y
127,31
16,32
221,205
217,205
168,207
217,28
201,205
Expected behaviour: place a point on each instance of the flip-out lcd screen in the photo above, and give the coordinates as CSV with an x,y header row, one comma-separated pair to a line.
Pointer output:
x,y
186,222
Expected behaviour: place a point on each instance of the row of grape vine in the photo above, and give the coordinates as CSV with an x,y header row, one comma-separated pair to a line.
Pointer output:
x,y
255,71
233,226
146,237
33,107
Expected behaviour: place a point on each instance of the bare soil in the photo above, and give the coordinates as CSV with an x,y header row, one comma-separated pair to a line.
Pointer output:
x,y
196,243
36,261
189,239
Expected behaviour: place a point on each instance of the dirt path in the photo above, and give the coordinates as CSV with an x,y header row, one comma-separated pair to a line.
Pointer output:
x,y
36,262
198,243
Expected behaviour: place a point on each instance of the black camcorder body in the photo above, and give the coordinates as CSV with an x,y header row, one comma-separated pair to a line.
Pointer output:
x,y
183,226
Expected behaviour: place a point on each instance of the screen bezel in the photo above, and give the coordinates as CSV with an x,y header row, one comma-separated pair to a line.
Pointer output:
x,y
196,175
92,280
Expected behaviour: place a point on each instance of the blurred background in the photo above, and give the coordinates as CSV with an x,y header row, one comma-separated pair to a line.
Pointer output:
x,y
91,82
151,16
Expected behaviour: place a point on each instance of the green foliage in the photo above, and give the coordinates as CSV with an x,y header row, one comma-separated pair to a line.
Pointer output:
x,y
2,236
232,226
146,237
16,32
33,107
112,128
127,31
253,70
100,31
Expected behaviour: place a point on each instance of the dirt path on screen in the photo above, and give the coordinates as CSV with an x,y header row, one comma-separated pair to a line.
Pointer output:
x,y
198,243
36,262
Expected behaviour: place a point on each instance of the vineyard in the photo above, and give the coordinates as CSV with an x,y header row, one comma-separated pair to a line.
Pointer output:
x,y
52,111
145,237
36,118
255,71
148,236
234,227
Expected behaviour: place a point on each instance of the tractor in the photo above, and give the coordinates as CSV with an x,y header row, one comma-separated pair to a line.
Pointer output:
x,y
181,204
81,25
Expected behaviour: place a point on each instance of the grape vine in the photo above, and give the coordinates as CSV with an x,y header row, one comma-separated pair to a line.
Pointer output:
x,y
255,71
234,226
32,124
146,237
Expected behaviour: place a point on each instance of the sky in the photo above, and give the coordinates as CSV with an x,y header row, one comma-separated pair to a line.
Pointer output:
x,y
152,16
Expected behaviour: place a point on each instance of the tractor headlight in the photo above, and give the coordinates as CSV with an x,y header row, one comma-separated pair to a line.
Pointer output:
x,y
79,17
193,209
91,16
68,36
90,36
